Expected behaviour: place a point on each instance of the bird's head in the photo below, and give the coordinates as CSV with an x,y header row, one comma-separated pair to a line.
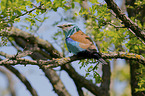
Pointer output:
x,y
69,29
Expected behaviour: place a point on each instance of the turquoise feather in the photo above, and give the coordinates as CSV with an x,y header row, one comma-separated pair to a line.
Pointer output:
x,y
78,42
73,46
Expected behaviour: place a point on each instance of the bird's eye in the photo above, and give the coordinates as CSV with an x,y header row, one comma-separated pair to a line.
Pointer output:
x,y
69,25
65,25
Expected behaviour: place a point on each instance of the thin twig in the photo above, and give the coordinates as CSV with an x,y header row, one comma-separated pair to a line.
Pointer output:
x,y
36,7
136,36
26,12
115,25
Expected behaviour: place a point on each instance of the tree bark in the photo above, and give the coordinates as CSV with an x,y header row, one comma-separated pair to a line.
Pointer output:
x,y
56,82
134,66
127,21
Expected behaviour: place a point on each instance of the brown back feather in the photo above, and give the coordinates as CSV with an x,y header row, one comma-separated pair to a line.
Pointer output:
x,y
85,41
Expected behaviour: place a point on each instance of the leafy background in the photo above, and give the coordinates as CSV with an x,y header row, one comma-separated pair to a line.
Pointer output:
x,y
41,17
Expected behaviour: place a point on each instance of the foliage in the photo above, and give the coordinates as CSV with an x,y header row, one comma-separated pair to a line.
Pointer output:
x,y
92,69
134,44
141,79
98,19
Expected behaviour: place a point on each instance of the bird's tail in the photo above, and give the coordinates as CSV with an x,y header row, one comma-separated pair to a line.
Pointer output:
x,y
100,59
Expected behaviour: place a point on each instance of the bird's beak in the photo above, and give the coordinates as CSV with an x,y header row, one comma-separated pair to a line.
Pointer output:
x,y
60,26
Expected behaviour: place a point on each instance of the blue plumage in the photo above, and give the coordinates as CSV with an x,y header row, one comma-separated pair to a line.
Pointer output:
x,y
79,43
73,46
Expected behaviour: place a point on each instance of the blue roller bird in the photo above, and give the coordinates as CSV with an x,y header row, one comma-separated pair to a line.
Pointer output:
x,y
79,43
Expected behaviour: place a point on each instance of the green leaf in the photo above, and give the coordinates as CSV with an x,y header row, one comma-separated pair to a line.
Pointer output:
x,y
90,69
87,74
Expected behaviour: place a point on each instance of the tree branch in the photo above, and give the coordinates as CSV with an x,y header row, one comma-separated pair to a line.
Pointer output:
x,y
62,61
79,89
115,25
81,80
18,55
23,79
10,81
126,20
42,54
105,84
17,33
36,7
5,55
136,36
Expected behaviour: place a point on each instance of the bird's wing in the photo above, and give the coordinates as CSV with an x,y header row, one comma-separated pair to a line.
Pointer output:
x,y
85,41
73,46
